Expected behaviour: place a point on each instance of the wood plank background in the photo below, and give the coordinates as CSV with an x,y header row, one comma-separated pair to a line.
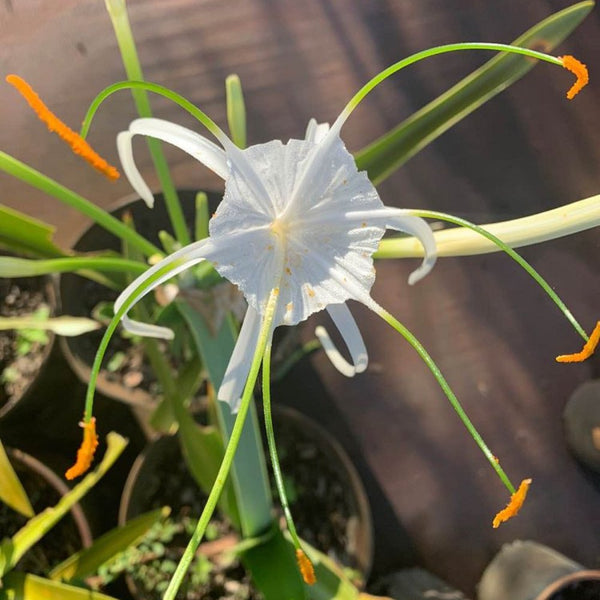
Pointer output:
x,y
491,330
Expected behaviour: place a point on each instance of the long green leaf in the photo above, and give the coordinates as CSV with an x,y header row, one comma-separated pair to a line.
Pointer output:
x,y
25,235
382,157
65,325
39,525
42,182
11,490
87,561
20,586
249,473
203,450
275,573
11,266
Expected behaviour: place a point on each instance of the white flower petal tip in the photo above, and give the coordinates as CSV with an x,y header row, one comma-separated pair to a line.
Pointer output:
x,y
422,271
146,329
315,132
125,150
337,360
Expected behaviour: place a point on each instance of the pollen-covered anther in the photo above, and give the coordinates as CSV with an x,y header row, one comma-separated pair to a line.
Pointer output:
x,y
75,141
306,567
586,352
85,454
579,70
515,504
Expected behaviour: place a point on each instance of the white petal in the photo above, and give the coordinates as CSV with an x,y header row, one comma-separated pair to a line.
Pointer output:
x,y
346,325
238,368
391,218
196,145
125,149
421,230
315,132
189,255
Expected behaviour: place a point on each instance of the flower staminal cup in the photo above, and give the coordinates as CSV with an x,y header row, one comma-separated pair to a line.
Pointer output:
x,y
296,232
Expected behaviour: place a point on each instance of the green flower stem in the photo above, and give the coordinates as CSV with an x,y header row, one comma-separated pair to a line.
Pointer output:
x,y
500,244
211,502
525,231
184,103
266,390
120,21
34,178
414,342
375,81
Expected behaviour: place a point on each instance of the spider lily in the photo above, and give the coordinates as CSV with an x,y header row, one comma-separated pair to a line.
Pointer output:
x,y
296,232
297,217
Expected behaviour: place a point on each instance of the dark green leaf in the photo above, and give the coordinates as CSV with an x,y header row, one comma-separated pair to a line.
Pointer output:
x,y
382,157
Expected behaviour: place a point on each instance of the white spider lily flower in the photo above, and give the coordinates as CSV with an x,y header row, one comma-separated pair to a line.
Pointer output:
x,y
296,216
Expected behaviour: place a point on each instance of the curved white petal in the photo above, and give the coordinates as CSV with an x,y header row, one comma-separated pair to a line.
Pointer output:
x,y
196,145
421,230
346,325
390,218
189,255
125,150
238,368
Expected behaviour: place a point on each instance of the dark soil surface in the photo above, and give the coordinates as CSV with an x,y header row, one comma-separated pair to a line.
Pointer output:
x,y
170,484
59,543
321,505
19,297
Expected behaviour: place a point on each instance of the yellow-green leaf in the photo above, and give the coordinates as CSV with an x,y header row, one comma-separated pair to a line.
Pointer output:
x,y
11,490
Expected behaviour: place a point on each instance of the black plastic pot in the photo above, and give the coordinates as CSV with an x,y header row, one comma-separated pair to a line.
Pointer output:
x,y
165,451
23,403
79,295
525,570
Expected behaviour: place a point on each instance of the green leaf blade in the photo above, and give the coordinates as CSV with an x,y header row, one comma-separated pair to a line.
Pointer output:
x,y
383,156
11,490
22,234
21,586
87,561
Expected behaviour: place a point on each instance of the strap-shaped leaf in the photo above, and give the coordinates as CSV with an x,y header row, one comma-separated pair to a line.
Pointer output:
x,y
248,473
25,235
87,561
20,586
383,156
65,325
11,490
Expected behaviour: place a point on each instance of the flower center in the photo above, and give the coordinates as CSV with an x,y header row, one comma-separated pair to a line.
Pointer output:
x,y
280,228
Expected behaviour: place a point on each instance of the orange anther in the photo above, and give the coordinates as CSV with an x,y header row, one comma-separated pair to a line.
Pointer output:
x,y
306,567
579,70
515,504
75,141
587,351
86,451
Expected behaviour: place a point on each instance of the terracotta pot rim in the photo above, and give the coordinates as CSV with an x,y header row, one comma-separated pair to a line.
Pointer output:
x,y
556,586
